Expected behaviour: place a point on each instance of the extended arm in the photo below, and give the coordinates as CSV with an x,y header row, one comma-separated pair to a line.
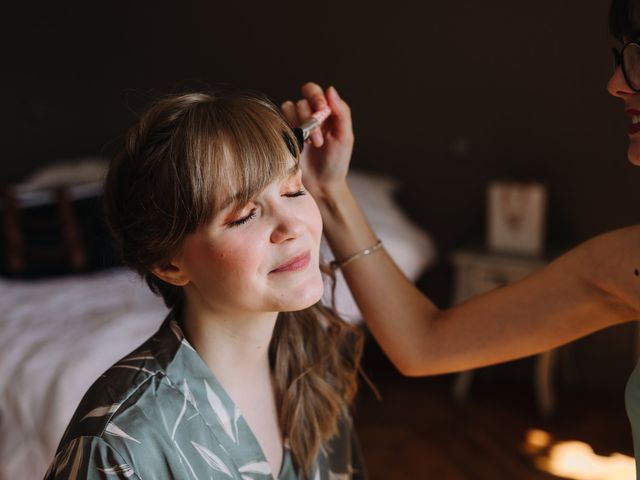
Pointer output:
x,y
585,290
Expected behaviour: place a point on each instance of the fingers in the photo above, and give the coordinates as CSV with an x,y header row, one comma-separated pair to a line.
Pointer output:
x,y
314,99
314,95
305,111
341,114
289,111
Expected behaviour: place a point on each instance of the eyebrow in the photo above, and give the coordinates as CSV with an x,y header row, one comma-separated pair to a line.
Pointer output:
x,y
234,199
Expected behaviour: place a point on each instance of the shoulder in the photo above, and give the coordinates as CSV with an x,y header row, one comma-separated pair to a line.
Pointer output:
x,y
121,401
89,458
627,238
120,421
610,262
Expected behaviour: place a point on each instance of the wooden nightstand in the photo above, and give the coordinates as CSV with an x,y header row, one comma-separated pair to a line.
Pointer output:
x,y
478,270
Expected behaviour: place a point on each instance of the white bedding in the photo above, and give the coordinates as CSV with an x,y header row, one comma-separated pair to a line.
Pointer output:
x,y
57,336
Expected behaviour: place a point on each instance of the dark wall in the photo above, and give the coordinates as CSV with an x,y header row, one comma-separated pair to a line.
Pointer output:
x,y
445,95
521,85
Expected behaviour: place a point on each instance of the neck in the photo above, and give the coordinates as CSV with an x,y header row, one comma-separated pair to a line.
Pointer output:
x,y
234,345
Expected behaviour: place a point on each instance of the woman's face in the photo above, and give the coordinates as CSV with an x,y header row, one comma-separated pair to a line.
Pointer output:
x,y
618,87
262,257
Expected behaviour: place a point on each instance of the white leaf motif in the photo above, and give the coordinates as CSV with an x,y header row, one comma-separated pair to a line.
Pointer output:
x,y
116,431
65,455
187,393
184,459
256,467
220,411
212,459
141,357
124,469
131,367
102,411
176,330
236,416
182,410
76,461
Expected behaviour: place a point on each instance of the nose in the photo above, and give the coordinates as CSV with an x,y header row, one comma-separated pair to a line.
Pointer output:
x,y
618,86
288,227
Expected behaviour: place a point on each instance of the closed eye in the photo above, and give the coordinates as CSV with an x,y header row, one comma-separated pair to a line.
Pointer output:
x,y
243,220
299,193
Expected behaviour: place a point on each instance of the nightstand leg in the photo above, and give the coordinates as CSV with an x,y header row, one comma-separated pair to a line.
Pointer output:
x,y
462,385
545,392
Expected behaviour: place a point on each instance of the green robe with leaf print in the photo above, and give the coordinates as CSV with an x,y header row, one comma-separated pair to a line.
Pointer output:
x,y
159,413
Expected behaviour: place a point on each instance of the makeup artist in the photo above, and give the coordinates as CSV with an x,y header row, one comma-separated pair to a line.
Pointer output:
x,y
592,287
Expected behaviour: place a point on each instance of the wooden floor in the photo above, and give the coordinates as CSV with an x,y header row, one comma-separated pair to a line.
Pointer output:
x,y
418,432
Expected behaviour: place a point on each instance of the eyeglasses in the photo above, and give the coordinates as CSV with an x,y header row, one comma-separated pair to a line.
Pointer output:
x,y
629,59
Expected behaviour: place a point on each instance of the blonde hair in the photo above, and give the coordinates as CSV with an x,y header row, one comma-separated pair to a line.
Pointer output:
x,y
182,159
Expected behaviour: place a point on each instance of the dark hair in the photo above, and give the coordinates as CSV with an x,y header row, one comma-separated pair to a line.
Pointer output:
x,y
177,166
624,18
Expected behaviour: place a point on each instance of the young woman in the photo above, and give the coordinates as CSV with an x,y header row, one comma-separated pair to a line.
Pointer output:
x,y
592,287
249,377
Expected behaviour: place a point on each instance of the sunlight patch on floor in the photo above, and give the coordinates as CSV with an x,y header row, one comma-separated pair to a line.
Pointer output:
x,y
576,460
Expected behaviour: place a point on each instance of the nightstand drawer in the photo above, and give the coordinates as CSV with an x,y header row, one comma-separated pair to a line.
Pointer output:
x,y
476,274
480,279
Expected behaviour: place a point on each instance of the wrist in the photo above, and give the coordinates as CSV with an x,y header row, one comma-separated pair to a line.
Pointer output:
x,y
331,195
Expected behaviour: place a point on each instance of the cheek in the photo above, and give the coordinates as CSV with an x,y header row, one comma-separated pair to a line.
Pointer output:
x,y
225,261
313,219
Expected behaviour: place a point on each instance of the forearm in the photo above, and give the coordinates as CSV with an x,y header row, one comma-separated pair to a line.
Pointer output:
x,y
564,301
396,312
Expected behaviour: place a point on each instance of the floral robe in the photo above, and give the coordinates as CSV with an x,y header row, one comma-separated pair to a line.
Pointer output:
x,y
160,413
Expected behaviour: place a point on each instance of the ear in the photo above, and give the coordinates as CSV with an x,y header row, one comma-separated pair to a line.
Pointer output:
x,y
172,272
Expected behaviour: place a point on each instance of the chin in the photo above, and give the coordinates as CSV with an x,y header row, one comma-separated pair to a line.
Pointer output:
x,y
303,296
633,153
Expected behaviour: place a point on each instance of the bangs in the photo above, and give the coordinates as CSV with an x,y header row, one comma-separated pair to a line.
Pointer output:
x,y
238,144
623,19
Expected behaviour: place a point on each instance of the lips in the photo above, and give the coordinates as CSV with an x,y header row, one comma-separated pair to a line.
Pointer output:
x,y
298,262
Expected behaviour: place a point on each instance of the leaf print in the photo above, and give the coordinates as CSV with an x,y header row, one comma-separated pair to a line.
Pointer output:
x,y
77,460
116,431
183,459
124,469
256,467
66,455
101,411
220,411
176,330
131,367
212,459
236,417
187,393
142,357
180,415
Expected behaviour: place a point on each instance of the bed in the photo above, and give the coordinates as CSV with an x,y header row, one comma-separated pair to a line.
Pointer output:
x,y
57,335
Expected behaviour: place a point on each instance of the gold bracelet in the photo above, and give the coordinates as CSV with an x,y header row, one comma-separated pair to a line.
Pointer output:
x,y
335,265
